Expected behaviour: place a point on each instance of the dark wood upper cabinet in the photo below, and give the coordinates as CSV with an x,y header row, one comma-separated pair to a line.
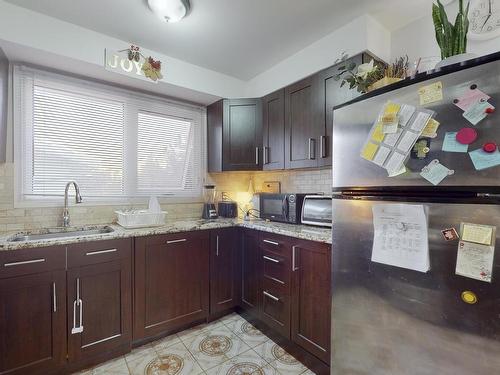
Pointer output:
x,y
33,311
330,95
171,282
273,125
250,272
234,135
311,297
224,271
99,299
302,126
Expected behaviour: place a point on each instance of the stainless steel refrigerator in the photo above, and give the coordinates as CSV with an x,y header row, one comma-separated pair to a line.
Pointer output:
x,y
392,320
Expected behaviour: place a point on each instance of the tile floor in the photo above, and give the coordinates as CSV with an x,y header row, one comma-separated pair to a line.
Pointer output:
x,y
229,346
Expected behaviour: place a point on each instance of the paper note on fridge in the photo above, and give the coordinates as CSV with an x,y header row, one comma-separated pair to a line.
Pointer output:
x,y
470,97
400,236
481,234
431,93
476,112
475,261
483,160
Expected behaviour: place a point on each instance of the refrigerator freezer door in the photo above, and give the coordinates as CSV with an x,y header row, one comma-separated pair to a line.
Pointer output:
x,y
390,320
352,123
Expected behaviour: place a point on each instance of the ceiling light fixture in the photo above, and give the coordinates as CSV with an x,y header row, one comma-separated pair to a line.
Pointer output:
x,y
170,10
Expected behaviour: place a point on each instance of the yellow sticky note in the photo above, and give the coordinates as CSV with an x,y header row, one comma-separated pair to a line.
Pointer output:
x,y
481,234
378,134
369,151
392,108
431,128
431,93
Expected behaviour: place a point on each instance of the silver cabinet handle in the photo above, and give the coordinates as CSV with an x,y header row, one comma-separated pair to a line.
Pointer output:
x,y
294,268
322,146
266,155
217,247
271,242
271,259
271,296
24,262
312,151
77,303
101,252
256,155
176,241
54,297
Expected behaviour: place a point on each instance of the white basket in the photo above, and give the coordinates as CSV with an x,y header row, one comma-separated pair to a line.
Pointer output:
x,y
141,218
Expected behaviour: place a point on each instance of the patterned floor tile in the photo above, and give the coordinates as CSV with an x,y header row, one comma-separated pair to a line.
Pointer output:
x,y
165,342
308,372
198,330
174,360
235,323
269,350
250,334
140,352
246,363
279,358
116,366
268,370
138,364
215,346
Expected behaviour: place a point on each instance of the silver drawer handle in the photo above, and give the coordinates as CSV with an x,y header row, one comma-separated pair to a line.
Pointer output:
x,y
101,252
256,156
271,259
77,302
175,241
271,296
271,242
294,268
217,247
24,262
54,297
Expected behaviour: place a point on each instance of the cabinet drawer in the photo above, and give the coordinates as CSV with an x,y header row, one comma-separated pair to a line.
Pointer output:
x,y
176,238
275,243
276,306
85,253
29,261
275,267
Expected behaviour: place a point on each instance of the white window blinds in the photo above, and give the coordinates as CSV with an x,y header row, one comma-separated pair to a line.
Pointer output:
x,y
113,142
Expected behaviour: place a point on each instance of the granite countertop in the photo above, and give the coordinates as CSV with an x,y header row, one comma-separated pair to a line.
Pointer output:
x,y
298,231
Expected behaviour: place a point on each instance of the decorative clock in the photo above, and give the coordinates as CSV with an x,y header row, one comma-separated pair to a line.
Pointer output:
x,y
484,17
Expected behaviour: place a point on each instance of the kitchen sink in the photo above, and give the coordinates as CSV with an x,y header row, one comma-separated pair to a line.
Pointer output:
x,y
60,233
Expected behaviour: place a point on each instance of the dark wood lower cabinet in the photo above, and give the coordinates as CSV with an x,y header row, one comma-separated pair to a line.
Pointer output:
x,y
171,282
99,299
250,272
311,297
224,272
33,323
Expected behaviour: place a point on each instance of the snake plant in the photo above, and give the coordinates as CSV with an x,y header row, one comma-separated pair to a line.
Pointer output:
x,y
452,39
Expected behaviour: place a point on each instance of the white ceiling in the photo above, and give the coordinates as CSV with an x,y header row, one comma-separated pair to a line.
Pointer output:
x,y
241,38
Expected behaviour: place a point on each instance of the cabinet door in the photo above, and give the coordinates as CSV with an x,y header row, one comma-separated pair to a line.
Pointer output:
x,y
99,308
242,135
311,297
273,109
214,136
171,282
224,256
331,95
301,124
250,272
33,323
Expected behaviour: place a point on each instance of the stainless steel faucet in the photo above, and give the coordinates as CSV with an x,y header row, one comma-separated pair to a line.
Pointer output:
x,y
78,199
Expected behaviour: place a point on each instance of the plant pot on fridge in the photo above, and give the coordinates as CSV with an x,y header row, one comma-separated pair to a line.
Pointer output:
x,y
452,39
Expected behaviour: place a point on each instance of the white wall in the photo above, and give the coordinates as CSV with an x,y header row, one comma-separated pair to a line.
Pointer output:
x,y
417,39
363,33
34,30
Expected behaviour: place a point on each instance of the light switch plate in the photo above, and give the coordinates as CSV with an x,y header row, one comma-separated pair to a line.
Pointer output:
x,y
271,187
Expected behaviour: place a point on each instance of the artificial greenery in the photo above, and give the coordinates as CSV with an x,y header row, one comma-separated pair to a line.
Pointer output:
x,y
361,77
452,39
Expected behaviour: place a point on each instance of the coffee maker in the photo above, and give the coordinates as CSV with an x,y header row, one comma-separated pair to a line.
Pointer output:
x,y
209,195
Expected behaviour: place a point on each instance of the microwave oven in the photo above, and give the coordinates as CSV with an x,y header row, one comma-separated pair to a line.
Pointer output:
x,y
285,208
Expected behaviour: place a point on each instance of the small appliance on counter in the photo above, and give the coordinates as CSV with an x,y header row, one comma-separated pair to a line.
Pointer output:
x,y
227,208
317,210
285,208
209,211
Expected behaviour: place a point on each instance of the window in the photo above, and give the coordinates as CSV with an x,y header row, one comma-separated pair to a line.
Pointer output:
x,y
114,143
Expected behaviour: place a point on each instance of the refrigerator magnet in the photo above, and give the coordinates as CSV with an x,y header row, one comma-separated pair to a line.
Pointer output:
x,y
421,149
477,112
450,234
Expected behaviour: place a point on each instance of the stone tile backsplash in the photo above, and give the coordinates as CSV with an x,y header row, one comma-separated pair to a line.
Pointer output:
x,y
234,183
